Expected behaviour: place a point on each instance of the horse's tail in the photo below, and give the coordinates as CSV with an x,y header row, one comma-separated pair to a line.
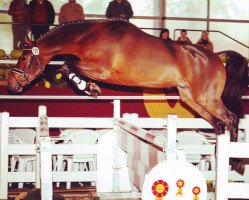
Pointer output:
x,y
236,81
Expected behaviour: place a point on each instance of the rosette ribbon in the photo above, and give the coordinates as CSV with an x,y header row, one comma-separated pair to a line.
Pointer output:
x,y
160,188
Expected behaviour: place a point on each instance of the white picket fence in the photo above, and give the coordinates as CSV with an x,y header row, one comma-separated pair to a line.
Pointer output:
x,y
7,122
58,149
225,188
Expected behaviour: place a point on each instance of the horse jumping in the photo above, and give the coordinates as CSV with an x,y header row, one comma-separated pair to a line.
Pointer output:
x,y
118,52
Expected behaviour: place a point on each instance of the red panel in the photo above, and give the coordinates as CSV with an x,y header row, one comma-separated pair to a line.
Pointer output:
x,y
71,108
80,108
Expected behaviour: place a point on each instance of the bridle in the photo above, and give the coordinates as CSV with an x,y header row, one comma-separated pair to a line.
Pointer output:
x,y
24,73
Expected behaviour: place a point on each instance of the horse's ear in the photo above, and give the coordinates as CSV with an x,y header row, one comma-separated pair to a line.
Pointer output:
x,y
28,41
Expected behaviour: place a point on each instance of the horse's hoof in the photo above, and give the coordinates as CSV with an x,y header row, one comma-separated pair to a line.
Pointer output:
x,y
220,128
234,137
238,166
92,89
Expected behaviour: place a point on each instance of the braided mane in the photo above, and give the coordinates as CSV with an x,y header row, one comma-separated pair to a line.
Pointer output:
x,y
80,22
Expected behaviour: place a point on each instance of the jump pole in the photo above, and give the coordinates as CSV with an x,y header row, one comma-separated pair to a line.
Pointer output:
x,y
116,162
45,164
170,149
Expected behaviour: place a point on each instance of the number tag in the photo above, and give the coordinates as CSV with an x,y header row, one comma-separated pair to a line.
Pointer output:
x,y
35,51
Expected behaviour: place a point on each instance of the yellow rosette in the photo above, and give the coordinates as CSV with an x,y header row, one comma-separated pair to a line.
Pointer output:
x,y
160,188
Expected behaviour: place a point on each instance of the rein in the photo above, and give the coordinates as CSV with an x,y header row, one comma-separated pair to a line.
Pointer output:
x,y
23,73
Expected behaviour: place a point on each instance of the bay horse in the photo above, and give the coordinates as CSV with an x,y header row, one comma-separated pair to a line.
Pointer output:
x,y
118,52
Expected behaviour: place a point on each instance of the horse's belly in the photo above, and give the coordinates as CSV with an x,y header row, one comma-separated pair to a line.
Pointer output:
x,y
150,77
143,80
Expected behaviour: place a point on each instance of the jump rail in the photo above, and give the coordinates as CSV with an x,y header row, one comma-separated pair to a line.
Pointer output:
x,y
52,97
145,150
12,62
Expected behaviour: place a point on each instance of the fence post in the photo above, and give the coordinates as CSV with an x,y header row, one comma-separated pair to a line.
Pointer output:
x,y
38,172
222,158
246,128
246,131
116,108
45,155
4,142
116,162
171,137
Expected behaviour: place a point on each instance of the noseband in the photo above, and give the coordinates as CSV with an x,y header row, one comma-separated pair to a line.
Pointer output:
x,y
24,73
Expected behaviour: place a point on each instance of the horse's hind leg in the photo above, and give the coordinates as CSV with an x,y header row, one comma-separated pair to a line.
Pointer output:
x,y
187,98
219,126
231,122
215,106
234,127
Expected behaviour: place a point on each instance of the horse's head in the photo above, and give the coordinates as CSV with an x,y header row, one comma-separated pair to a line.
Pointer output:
x,y
27,69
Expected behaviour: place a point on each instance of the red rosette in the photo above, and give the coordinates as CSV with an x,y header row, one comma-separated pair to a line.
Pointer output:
x,y
160,188
180,183
196,190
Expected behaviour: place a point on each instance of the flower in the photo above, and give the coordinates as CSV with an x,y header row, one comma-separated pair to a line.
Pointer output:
x,y
47,84
58,76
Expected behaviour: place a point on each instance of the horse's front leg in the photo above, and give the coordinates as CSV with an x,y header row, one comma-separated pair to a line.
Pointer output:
x,y
89,88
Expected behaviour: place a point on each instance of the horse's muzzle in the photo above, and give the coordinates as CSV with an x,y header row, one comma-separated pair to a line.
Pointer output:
x,y
15,87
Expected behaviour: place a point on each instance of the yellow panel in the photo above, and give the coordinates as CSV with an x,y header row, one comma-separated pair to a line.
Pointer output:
x,y
160,109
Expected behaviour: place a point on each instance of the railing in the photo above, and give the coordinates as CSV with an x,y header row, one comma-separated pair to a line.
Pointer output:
x,y
90,16
148,28
213,31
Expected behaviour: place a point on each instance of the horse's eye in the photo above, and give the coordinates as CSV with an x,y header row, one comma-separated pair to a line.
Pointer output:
x,y
24,59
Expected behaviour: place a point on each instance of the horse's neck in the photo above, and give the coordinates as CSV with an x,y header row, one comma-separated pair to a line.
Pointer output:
x,y
49,48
